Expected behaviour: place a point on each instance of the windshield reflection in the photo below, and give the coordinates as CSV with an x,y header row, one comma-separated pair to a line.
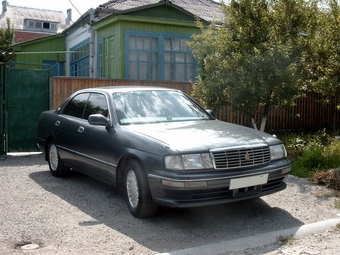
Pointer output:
x,y
139,107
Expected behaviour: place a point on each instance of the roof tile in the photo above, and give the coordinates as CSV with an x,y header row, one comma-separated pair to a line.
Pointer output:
x,y
204,9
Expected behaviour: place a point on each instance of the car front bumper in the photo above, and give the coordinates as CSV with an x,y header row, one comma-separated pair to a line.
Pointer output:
x,y
224,188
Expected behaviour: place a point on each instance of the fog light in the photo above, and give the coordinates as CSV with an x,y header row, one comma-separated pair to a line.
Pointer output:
x,y
188,184
173,183
286,170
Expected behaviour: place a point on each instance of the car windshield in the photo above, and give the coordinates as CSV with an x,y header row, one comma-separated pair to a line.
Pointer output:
x,y
139,107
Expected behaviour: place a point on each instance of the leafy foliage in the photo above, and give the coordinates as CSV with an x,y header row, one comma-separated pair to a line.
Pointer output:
x,y
316,156
322,59
297,143
6,39
287,240
255,55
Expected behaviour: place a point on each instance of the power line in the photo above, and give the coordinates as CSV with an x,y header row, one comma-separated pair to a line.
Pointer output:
x,y
75,7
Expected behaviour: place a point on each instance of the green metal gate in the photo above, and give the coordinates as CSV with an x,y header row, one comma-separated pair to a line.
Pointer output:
x,y
26,96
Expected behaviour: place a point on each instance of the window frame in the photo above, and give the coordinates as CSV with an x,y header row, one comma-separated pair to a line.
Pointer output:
x,y
79,59
85,112
161,54
41,25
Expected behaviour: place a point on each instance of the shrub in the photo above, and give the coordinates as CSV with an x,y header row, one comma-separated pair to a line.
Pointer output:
x,y
312,152
332,154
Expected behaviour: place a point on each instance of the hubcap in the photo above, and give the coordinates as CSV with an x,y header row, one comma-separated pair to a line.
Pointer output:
x,y
132,189
53,155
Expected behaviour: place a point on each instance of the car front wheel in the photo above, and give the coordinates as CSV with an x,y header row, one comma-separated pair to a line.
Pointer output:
x,y
56,165
137,191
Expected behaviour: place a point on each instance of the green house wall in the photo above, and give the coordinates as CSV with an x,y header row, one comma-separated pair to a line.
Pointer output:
x,y
159,19
164,20
50,48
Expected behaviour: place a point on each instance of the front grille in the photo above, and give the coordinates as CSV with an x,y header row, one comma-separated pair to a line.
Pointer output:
x,y
241,157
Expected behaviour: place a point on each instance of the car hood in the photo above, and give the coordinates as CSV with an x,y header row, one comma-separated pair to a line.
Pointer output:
x,y
202,135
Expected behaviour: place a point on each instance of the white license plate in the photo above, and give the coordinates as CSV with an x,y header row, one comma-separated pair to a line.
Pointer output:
x,y
248,181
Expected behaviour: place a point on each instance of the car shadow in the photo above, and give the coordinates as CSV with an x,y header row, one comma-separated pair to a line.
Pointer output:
x,y
171,228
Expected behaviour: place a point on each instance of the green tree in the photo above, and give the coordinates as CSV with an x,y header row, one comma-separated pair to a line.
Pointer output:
x,y
6,39
253,57
322,60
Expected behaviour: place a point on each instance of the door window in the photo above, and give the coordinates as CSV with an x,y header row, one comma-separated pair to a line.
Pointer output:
x,y
97,104
76,106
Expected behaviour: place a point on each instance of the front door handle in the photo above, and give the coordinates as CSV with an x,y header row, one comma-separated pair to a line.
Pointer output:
x,y
81,129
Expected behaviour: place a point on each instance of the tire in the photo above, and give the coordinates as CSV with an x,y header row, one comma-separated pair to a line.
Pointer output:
x,y
56,165
137,191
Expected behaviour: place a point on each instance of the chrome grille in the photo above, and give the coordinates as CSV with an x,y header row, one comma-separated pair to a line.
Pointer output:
x,y
241,157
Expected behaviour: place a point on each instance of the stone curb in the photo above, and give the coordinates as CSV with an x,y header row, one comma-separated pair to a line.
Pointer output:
x,y
258,240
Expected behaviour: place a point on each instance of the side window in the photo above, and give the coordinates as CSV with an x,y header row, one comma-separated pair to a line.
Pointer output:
x,y
96,104
76,106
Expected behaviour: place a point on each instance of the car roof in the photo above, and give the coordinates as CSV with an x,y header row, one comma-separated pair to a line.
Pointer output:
x,y
112,89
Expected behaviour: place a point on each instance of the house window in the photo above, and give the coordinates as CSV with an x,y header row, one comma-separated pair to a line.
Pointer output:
x,y
40,24
143,57
179,63
80,60
159,57
30,23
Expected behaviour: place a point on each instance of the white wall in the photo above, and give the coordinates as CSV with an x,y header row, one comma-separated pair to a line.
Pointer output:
x,y
74,39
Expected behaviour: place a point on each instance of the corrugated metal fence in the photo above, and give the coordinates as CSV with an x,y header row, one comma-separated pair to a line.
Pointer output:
x,y
308,113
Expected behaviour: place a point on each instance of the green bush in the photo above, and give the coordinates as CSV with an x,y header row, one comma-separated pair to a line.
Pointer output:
x,y
332,154
312,152
311,160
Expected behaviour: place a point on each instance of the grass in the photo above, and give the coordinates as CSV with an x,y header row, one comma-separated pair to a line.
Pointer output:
x,y
287,240
337,206
337,227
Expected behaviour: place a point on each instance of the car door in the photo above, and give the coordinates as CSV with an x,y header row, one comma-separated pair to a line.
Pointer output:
x,y
66,128
94,143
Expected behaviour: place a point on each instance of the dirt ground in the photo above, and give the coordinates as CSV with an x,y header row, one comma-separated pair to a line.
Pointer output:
x,y
78,215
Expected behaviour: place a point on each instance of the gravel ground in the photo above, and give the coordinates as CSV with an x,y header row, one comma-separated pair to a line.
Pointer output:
x,y
78,215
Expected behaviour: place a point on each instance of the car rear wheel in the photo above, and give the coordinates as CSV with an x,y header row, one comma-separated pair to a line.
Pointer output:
x,y
137,191
56,165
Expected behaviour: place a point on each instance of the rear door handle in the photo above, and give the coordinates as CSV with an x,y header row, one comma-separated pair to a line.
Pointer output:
x,y
81,129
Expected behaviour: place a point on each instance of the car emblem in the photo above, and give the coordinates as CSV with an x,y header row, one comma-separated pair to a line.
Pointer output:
x,y
246,156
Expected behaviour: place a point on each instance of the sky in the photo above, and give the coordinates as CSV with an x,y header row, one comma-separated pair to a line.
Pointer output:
x,y
60,5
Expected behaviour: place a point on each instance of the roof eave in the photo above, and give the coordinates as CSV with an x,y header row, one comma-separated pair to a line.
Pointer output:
x,y
35,40
161,3
118,12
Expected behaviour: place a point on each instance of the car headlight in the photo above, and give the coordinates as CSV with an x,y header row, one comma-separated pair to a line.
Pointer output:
x,y
188,161
277,151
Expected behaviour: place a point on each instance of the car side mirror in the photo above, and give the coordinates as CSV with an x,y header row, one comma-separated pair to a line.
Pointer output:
x,y
99,120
